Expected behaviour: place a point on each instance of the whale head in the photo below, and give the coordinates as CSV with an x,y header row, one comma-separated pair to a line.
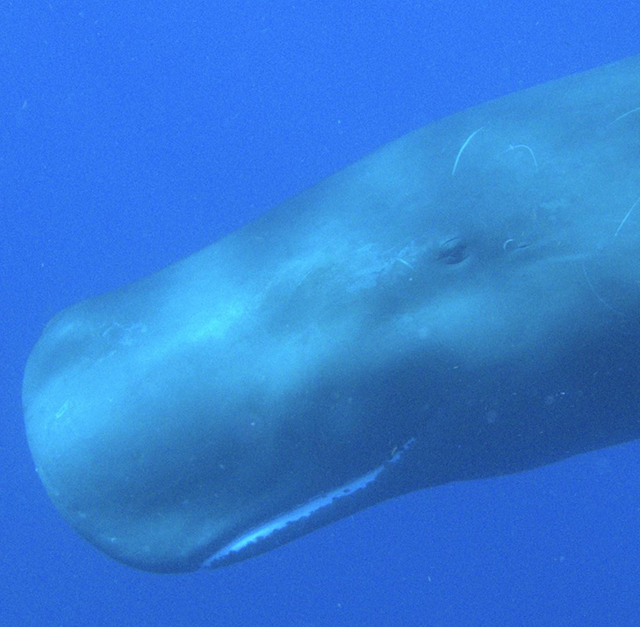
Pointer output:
x,y
462,303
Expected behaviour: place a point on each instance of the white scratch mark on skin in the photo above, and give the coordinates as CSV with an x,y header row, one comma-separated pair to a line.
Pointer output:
x,y
624,115
406,263
466,143
593,289
524,147
626,217
63,409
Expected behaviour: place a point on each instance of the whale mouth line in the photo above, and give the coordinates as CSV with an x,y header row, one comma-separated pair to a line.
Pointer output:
x,y
249,540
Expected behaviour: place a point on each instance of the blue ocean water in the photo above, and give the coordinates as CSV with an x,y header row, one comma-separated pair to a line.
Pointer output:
x,y
135,134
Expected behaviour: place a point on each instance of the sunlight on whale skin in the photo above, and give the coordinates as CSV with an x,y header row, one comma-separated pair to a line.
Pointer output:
x,y
462,303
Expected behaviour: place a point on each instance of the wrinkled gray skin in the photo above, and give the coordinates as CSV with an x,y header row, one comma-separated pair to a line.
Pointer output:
x,y
473,298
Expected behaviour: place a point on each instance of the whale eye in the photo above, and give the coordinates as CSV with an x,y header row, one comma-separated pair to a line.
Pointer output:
x,y
453,251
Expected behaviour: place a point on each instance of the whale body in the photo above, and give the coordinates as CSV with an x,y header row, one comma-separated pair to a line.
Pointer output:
x,y
461,304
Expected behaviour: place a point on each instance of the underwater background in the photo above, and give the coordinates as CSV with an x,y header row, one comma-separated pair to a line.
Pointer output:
x,y
134,134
